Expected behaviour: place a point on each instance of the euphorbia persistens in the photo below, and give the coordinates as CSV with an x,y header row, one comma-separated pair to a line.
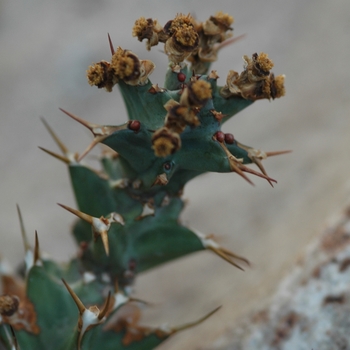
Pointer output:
x,y
128,211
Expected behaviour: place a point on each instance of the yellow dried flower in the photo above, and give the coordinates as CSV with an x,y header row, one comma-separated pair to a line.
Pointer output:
x,y
223,19
126,66
179,22
165,142
263,62
218,24
196,94
255,82
149,29
95,74
179,116
101,75
201,90
186,36
140,28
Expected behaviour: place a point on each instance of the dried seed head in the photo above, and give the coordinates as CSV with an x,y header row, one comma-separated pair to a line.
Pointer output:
x,y
212,34
96,72
179,116
148,29
180,45
101,75
8,305
183,38
201,90
262,62
178,22
255,82
196,94
218,24
126,66
258,67
142,28
165,142
187,37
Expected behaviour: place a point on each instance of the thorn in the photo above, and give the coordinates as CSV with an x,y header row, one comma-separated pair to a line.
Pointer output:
x,y
104,237
110,44
195,323
88,125
76,299
221,253
59,143
90,147
105,308
249,170
55,155
79,214
277,153
100,225
257,161
234,167
36,249
23,232
233,161
100,132
233,255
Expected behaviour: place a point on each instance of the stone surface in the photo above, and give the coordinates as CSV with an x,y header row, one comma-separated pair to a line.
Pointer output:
x,y
311,308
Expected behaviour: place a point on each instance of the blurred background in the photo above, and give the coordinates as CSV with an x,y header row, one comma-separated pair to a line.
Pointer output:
x,y
45,49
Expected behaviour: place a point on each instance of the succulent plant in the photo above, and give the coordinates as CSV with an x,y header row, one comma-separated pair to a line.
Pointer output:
x,y
128,211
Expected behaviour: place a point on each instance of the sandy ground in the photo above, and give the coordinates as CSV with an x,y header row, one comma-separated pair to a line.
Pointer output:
x,y
45,50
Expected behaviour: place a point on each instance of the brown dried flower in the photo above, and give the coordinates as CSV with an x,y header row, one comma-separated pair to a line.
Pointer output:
x,y
178,22
196,94
255,82
179,116
126,65
181,44
165,142
149,29
182,39
8,305
101,75
218,24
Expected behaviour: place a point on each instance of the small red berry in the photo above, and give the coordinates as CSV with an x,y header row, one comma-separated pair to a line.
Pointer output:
x,y
134,125
220,136
181,77
229,139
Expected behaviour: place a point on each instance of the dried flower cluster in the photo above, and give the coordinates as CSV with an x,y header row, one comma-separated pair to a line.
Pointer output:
x,y
256,81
